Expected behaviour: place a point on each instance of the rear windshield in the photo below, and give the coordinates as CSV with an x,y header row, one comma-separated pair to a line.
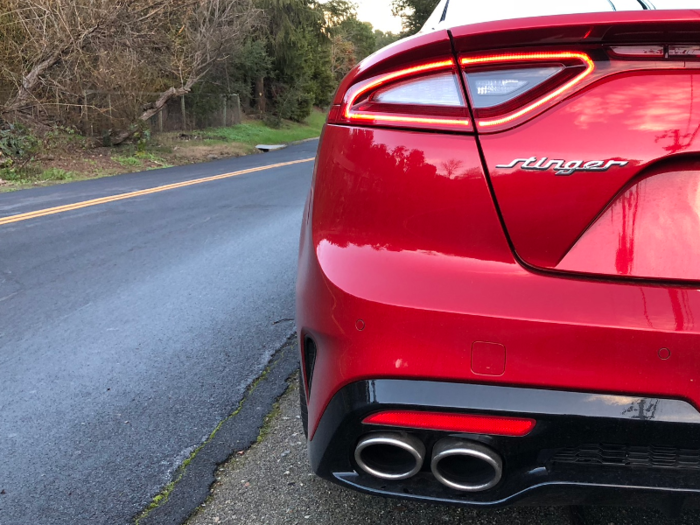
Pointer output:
x,y
471,12
459,12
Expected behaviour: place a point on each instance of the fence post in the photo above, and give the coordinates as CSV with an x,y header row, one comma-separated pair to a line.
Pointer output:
x,y
260,93
236,109
224,101
184,115
85,112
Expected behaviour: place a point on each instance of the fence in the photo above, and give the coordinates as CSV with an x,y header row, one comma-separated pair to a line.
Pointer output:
x,y
97,113
103,111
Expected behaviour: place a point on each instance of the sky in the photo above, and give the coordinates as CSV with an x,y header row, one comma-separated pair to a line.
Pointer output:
x,y
378,13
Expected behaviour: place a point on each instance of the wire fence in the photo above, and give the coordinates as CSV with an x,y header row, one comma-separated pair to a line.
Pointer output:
x,y
103,111
100,113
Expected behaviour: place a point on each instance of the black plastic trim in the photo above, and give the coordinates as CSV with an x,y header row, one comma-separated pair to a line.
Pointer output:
x,y
531,401
309,359
564,420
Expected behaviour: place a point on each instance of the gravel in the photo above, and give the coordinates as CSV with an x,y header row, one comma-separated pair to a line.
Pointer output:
x,y
272,484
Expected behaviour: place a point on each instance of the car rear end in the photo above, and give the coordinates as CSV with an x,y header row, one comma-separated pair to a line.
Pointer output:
x,y
499,263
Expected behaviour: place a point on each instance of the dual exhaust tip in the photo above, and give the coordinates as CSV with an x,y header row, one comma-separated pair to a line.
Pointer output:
x,y
456,463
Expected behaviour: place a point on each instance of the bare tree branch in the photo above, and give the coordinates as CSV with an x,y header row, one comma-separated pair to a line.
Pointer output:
x,y
53,52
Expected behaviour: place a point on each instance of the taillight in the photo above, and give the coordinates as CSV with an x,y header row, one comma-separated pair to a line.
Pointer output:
x,y
670,52
507,88
637,51
492,88
425,96
451,422
684,51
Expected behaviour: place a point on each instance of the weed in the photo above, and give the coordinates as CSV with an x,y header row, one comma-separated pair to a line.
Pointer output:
x,y
57,174
10,174
17,142
32,175
152,157
142,137
127,162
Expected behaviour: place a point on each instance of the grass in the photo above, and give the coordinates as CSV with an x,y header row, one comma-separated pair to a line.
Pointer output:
x,y
136,160
127,162
56,174
73,158
152,157
256,132
30,176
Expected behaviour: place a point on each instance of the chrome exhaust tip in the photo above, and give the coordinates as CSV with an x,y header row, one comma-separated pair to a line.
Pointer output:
x,y
390,456
466,465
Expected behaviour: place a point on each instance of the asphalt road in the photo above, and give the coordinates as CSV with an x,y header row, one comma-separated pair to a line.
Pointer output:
x,y
131,336
130,329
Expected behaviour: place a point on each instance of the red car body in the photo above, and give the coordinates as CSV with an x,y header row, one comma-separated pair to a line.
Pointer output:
x,y
444,272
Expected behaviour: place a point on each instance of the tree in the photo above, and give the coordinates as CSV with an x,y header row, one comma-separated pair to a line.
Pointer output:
x,y
240,71
413,13
361,36
66,61
351,39
382,39
72,47
300,52
210,30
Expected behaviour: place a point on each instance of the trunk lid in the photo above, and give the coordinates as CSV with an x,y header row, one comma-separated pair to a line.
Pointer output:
x,y
594,170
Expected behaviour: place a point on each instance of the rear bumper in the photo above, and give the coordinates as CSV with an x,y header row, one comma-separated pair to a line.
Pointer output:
x,y
585,448
406,279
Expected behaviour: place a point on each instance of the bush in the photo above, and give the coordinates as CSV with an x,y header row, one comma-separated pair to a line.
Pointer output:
x,y
293,103
16,143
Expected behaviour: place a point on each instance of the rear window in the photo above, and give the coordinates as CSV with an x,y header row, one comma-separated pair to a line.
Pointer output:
x,y
451,13
471,12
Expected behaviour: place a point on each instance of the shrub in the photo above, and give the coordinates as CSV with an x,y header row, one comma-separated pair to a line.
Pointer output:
x,y
16,143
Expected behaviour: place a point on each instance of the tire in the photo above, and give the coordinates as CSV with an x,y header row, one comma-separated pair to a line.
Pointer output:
x,y
303,410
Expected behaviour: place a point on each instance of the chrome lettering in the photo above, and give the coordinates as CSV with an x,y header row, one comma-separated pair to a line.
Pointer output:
x,y
563,167
512,164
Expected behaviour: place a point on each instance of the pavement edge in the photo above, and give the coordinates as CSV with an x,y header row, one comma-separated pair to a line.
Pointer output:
x,y
193,479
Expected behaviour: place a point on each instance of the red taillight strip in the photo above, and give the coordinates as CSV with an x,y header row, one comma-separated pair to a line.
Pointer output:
x,y
525,57
354,94
450,422
416,120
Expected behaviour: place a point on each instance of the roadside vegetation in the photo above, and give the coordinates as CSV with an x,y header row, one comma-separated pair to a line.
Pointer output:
x,y
73,157
83,83
257,132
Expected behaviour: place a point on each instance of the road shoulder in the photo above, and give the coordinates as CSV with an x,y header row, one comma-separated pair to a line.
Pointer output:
x,y
272,484
191,483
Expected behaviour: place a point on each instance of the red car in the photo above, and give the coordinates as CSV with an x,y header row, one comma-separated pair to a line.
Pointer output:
x,y
498,292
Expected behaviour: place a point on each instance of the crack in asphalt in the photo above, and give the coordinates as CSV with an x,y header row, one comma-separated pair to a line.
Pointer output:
x,y
192,480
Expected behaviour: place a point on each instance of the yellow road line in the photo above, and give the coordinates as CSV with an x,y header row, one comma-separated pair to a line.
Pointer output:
x,y
122,196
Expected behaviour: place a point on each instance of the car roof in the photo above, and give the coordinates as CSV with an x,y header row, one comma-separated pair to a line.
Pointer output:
x,y
451,13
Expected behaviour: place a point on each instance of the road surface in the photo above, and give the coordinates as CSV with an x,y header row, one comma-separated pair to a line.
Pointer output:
x,y
135,314
130,327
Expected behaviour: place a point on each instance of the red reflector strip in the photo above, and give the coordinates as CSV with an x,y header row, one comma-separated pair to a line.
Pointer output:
x,y
409,120
469,423
531,57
